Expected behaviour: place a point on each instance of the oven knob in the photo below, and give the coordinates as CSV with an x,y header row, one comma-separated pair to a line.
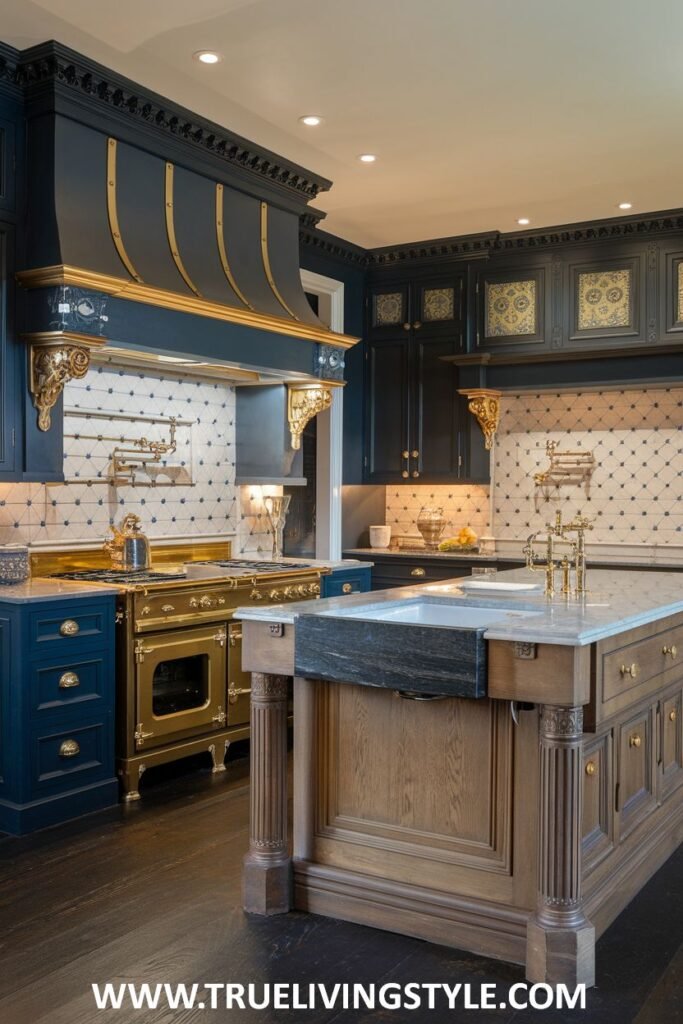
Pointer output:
x,y
194,602
256,595
207,602
301,590
289,593
275,595
315,588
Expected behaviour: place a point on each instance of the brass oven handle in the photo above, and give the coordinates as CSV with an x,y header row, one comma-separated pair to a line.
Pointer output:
x,y
591,768
672,715
672,650
69,748
417,572
219,717
67,680
347,588
69,627
631,670
234,692
167,608
634,741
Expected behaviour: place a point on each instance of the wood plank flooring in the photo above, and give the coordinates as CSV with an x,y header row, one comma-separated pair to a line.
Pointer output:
x,y
151,892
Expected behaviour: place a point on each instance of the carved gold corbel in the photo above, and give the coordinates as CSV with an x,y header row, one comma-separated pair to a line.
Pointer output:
x,y
484,404
304,401
55,357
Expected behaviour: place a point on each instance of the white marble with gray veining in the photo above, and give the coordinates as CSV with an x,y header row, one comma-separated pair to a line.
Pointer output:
x,y
44,589
618,600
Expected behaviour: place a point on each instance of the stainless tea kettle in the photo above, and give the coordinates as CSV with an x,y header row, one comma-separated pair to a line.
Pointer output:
x,y
129,547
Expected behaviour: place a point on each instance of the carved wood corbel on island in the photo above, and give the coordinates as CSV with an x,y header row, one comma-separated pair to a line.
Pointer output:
x,y
505,789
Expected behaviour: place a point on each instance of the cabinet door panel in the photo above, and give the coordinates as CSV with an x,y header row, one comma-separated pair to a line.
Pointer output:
x,y
671,743
9,397
388,309
513,308
598,818
437,414
387,410
437,308
636,780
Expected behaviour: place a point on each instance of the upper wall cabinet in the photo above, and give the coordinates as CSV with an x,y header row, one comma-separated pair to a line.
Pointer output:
x,y
431,305
671,292
8,156
609,297
512,306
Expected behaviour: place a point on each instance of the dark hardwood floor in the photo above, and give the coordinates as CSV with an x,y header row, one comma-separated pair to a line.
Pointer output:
x,y
151,892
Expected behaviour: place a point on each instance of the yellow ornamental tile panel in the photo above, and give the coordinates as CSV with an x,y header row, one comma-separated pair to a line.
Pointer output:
x,y
438,304
388,309
679,305
605,300
510,309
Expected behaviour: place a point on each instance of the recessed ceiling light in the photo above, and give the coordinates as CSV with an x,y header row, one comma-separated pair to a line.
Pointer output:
x,y
625,206
523,220
367,158
208,56
311,120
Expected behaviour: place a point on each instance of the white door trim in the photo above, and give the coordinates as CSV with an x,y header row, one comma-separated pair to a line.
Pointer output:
x,y
328,530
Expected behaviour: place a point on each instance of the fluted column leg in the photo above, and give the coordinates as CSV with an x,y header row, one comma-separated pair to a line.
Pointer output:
x,y
267,866
560,941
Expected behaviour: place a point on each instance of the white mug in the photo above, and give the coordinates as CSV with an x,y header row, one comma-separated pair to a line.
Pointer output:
x,y
379,536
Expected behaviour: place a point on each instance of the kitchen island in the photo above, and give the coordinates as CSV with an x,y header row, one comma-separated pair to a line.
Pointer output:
x,y
518,808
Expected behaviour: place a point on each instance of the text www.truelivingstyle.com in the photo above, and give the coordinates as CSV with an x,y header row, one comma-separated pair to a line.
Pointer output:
x,y
340,996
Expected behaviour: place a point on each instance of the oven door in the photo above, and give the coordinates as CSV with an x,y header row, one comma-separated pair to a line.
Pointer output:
x,y
180,683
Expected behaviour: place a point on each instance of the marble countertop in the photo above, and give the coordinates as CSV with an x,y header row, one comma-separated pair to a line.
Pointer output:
x,y
43,589
618,600
463,556
646,557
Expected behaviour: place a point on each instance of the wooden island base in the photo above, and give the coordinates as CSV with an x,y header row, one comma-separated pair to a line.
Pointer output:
x,y
446,820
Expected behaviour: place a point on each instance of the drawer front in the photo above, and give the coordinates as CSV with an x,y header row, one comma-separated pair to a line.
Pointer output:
x,y
671,743
404,572
338,586
636,777
635,670
65,759
598,817
70,625
80,682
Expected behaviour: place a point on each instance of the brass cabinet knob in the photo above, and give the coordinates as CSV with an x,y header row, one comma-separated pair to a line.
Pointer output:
x,y
672,650
69,628
591,768
672,715
415,454
635,740
347,588
167,608
69,748
405,453
67,680
405,474
417,572
417,324
406,326
629,670
416,473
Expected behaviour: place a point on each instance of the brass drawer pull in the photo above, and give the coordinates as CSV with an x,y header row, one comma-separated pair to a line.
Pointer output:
x,y
405,474
234,693
167,608
415,454
591,768
406,326
415,473
672,650
67,680
69,748
672,715
405,454
417,572
347,588
417,324
69,628
631,670
634,741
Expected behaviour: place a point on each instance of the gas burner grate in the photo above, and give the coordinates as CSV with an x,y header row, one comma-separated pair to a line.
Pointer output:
x,y
119,576
244,563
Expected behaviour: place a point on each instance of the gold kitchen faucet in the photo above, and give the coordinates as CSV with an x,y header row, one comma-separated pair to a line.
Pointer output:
x,y
555,532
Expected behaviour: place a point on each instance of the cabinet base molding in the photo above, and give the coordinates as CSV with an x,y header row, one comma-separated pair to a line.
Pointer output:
x,y
20,819
481,927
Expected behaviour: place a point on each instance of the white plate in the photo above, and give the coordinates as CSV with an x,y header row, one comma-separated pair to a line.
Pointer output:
x,y
475,584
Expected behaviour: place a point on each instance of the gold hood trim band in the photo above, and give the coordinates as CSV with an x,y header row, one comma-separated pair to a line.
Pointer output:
x,y
266,262
170,231
134,291
220,240
112,212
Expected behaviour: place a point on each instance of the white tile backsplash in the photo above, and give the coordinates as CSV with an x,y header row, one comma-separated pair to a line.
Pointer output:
x,y
195,493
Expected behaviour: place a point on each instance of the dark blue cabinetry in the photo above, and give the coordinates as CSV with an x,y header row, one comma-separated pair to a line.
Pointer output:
x,y
56,711
354,580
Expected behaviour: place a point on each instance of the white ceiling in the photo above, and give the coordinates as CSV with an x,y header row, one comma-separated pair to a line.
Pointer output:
x,y
480,111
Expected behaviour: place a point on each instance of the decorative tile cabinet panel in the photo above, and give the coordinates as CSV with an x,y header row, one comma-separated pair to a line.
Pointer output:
x,y
512,307
606,299
671,293
432,304
56,711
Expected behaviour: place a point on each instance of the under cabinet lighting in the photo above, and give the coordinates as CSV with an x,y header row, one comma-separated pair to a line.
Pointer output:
x,y
523,221
208,57
311,120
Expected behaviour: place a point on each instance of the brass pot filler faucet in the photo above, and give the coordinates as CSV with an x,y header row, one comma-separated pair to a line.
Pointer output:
x,y
554,533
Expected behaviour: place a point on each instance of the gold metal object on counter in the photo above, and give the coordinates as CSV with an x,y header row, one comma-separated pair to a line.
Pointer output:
x,y
484,404
554,533
304,401
570,467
